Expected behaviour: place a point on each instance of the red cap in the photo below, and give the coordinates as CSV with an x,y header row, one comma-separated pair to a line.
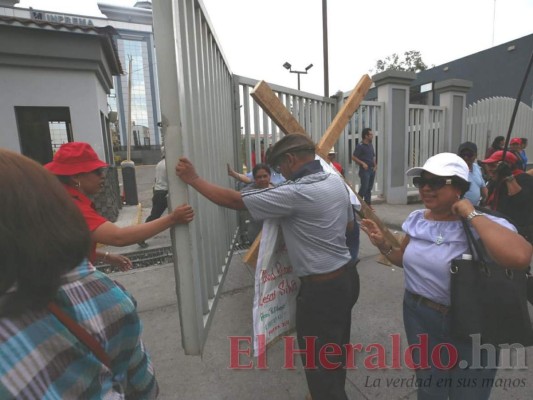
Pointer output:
x,y
516,141
74,158
497,157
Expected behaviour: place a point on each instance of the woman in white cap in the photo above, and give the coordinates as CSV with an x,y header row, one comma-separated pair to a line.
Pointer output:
x,y
82,173
434,237
331,158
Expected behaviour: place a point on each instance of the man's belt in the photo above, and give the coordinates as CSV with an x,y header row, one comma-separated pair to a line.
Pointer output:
x,y
327,276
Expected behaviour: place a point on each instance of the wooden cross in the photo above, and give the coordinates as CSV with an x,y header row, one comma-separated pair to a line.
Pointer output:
x,y
274,108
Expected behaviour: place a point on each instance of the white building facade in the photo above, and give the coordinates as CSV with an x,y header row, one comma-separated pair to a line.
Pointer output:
x,y
39,85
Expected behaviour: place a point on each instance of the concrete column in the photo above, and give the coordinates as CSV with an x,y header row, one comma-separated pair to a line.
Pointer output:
x,y
452,95
393,90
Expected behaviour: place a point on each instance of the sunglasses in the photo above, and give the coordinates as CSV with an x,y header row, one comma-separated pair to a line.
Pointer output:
x,y
433,183
99,171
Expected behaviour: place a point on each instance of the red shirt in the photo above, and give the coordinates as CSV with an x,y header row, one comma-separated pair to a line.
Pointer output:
x,y
338,167
254,163
92,218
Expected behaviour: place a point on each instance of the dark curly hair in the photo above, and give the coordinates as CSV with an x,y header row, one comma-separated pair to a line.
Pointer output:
x,y
259,167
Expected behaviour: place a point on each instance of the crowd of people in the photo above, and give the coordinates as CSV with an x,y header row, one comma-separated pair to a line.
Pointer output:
x,y
54,214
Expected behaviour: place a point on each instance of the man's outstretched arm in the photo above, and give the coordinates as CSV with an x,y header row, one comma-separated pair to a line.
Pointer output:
x,y
219,195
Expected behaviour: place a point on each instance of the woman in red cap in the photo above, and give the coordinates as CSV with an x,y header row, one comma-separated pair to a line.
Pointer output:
x,y
83,174
515,147
510,191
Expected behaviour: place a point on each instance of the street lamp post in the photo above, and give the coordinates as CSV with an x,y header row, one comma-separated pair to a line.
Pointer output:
x,y
289,68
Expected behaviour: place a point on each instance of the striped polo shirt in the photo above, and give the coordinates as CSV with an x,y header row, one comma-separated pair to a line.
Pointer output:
x,y
313,211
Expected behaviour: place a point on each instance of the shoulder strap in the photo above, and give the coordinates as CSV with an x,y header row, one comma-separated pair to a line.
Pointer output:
x,y
81,333
476,247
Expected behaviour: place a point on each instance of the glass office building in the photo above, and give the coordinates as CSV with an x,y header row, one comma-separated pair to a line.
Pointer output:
x,y
135,42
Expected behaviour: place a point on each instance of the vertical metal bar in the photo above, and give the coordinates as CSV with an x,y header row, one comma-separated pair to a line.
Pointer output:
x,y
191,86
325,46
210,133
203,117
246,111
257,139
237,108
169,41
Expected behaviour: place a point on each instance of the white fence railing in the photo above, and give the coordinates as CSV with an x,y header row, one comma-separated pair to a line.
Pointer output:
x,y
488,118
197,103
425,134
368,115
256,131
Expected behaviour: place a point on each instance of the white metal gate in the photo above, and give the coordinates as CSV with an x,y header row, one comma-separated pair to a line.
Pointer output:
x,y
488,118
197,104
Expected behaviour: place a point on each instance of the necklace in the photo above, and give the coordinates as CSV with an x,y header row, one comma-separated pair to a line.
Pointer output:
x,y
439,239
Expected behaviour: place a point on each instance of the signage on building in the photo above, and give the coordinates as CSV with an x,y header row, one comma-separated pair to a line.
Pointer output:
x,y
60,18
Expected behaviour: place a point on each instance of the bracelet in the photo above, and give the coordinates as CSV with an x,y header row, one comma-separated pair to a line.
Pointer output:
x,y
105,256
473,214
387,253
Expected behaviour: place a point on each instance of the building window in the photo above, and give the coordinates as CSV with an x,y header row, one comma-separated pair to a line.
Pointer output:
x,y
58,134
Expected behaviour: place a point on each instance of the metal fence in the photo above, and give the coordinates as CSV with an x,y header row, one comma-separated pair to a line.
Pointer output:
x,y
425,134
368,115
257,132
197,107
488,118
314,113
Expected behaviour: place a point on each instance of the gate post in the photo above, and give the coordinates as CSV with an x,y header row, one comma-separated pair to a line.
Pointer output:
x,y
452,95
393,90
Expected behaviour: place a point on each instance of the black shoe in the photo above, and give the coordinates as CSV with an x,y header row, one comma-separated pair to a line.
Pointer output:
x,y
143,244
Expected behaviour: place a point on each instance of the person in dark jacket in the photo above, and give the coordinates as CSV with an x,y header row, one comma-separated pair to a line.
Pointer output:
x,y
510,191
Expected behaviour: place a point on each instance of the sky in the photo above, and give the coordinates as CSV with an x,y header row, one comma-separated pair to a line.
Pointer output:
x,y
259,36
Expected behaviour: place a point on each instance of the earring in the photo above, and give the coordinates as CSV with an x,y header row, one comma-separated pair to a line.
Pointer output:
x,y
78,184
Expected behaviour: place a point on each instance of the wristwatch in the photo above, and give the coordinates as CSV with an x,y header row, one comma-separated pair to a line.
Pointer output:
x,y
473,214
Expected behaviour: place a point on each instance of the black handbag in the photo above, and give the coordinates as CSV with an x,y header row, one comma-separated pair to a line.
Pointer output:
x,y
488,299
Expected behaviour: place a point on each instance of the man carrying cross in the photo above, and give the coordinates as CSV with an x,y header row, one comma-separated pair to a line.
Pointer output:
x,y
314,211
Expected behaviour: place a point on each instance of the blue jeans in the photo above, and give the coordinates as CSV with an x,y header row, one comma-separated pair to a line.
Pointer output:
x,y
367,182
455,383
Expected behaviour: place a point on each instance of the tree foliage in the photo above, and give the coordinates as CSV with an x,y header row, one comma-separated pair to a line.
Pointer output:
x,y
411,61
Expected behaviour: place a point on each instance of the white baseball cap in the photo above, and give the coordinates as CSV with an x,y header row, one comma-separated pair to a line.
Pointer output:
x,y
442,164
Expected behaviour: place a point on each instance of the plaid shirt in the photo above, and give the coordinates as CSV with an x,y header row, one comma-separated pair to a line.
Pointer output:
x,y
41,359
